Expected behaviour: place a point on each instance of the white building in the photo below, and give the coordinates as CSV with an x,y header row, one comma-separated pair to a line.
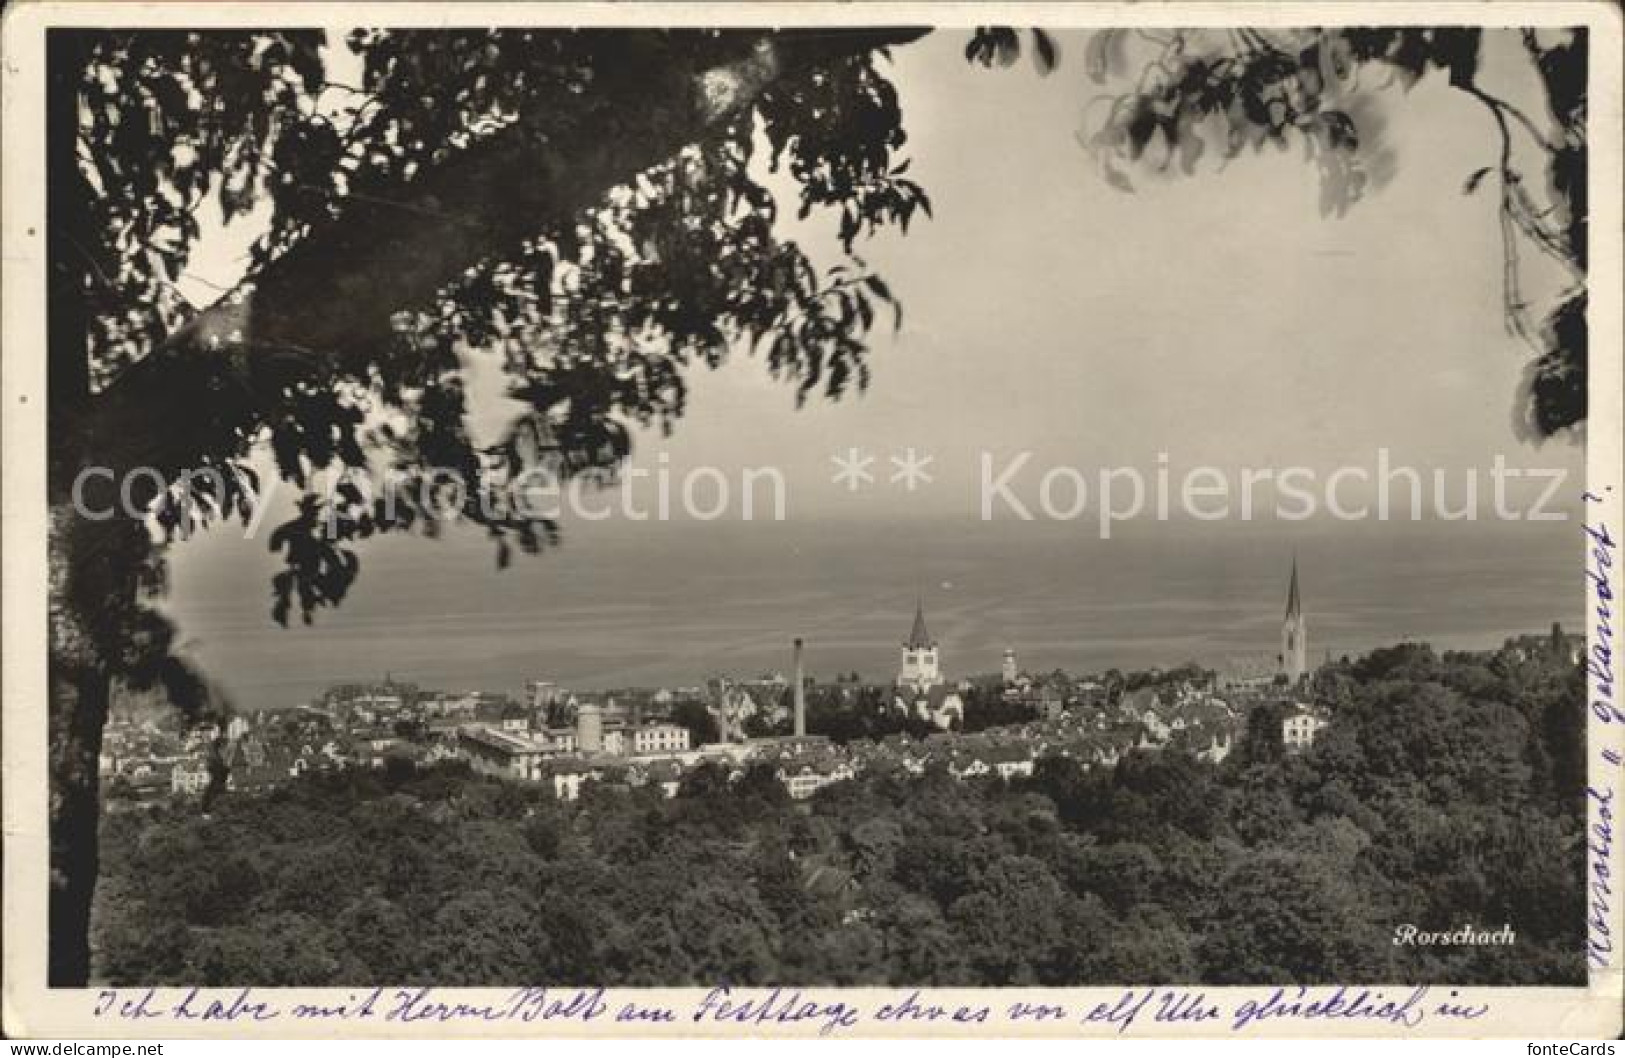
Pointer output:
x,y
560,739
189,777
1299,728
502,755
802,779
660,738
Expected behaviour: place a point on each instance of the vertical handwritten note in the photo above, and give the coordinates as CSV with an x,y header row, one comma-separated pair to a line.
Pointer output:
x,y
1601,551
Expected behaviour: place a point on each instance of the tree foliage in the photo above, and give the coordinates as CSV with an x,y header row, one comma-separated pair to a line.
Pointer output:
x,y
1218,94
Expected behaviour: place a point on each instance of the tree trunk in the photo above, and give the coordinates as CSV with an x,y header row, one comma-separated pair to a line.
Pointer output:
x,y
78,681
79,690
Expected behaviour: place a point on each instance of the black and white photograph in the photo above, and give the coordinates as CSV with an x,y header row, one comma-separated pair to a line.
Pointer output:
x,y
987,507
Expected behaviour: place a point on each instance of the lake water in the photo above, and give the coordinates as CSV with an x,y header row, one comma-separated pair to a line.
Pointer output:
x,y
670,604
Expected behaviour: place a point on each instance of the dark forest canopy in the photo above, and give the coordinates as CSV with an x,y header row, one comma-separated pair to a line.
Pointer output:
x,y
582,201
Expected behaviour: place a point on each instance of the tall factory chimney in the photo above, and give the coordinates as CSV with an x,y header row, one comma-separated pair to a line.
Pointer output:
x,y
801,694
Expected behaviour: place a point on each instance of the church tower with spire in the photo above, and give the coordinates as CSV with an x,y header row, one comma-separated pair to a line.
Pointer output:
x,y
1294,634
921,667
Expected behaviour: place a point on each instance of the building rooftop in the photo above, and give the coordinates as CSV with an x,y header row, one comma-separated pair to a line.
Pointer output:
x,y
919,637
501,741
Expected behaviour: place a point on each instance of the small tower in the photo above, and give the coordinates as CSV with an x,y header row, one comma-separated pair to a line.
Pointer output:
x,y
590,728
1009,669
921,667
1294,634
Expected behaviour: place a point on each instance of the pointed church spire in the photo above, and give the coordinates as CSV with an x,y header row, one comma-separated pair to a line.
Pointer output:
x,y
919,637
1294,633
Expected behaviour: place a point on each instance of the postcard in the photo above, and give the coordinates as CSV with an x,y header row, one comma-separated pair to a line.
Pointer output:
x,y
812,520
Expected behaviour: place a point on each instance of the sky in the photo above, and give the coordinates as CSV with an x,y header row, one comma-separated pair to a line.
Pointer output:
x,y
1218,318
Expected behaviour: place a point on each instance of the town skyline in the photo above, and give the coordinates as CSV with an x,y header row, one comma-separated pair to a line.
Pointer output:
x,y
996,725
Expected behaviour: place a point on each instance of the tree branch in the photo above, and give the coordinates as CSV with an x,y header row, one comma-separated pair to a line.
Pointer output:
x,y
331,296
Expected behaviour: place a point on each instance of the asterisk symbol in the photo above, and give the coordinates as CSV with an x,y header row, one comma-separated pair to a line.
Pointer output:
x,y
853,469
911,470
